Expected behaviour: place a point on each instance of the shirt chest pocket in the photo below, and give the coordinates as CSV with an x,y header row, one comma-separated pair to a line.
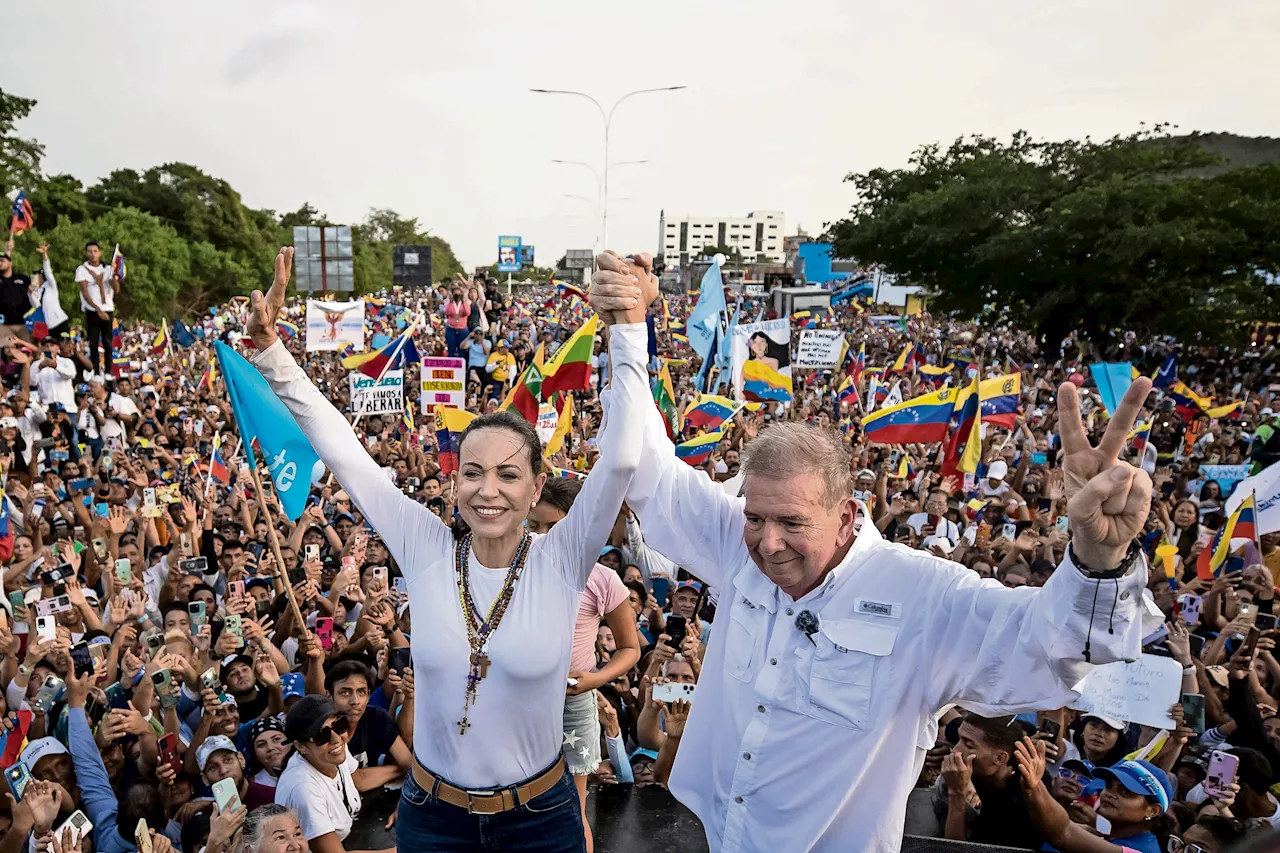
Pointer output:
x,y
747,626
843,668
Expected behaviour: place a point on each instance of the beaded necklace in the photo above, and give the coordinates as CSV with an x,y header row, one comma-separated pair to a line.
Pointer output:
x,y
479,629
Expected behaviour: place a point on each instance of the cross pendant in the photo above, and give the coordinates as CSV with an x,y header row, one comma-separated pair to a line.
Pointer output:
x,y
480,661
463,725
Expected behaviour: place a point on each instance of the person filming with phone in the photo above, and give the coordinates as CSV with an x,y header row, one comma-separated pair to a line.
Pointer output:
x,y
840,650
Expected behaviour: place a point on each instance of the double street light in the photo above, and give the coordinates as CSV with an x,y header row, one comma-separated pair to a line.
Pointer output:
x,y
606,117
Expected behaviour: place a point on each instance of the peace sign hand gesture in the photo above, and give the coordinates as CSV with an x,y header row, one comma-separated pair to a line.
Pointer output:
x,y
265,309
1107,500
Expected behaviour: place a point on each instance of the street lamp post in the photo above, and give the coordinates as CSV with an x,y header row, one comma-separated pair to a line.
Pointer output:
x,y
600,179
607,119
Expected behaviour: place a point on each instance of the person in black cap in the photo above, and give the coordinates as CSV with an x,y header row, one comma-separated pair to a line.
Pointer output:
x,y
316,782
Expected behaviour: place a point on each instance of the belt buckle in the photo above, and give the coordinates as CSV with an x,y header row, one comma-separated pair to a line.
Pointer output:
x,y
471,797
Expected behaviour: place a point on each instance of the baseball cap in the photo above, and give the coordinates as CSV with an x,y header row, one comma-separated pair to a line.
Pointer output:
x,y
348,516
232,659
693,585
308,716
41,748
644,753
606,549
1218,675
1110,722
292,683
217,743
1140,777
998,470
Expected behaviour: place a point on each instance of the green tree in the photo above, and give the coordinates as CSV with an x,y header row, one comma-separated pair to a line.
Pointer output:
x,y
57,196
1129,233
732,254
19,158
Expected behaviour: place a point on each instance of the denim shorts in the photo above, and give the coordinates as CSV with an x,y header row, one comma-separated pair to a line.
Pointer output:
x,y
581,733
549,823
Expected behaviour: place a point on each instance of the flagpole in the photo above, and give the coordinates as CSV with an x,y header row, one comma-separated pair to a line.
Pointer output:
x,y
275,549
413,327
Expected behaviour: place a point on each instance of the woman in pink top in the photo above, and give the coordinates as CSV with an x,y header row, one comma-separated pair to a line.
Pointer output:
x,y
604,598
456,311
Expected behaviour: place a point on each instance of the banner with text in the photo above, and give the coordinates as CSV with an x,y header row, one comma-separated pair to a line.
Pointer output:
x,y
819,348
1226,475
371,396
333,325
444,383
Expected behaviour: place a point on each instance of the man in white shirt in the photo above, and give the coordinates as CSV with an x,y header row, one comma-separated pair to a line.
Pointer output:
x,y
121,413
820,696
55,378
98,287
933,521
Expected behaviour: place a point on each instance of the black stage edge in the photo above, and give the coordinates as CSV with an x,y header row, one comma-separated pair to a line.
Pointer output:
x,y
627,819
624,819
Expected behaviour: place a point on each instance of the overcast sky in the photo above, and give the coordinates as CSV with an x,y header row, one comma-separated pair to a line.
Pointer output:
x,y
424,106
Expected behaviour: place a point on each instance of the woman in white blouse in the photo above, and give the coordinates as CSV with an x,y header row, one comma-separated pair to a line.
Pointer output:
x,y
495,604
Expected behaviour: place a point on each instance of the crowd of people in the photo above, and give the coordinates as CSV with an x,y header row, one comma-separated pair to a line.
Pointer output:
x,y
161,692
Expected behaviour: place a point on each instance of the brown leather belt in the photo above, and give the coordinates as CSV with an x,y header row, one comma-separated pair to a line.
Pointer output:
x,y
490,801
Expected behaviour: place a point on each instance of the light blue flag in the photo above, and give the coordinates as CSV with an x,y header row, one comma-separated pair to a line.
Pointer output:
x,y
1112,381
291,461
704,320
725,338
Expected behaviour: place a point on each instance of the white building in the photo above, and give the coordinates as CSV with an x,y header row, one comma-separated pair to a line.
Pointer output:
x,y
757,236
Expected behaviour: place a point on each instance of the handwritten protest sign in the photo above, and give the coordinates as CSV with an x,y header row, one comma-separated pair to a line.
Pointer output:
x,y
443,383
819,348
1139,692
546,425
370,396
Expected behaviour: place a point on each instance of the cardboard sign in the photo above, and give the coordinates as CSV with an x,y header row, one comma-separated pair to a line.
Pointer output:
x,y
377,397
819,348
547,418
1138,692
443,383
333,325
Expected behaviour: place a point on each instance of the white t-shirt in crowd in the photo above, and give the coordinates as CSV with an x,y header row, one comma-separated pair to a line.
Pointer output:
x,y
56,384
945,528
103,294
322,804
112,428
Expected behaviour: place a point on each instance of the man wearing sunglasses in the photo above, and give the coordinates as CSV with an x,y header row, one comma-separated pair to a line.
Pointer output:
x,y
316,781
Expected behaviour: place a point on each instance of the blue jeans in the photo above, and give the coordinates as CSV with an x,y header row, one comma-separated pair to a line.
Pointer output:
x,y
453,339
550,823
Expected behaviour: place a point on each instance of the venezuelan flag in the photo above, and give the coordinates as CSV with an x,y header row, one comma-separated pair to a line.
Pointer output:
x,y
285,329
393,356
553,471
710,411
210,374
696,451
406,419
921,420
760,383
676,336
161,342
1141,434
1214,556
905,359
450,422
847,389
217,465
118,264
36,323
1000,400
935,375
1230,410
968,432
1187,402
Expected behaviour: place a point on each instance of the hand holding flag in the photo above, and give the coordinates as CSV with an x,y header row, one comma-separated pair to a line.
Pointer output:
x,y
265,310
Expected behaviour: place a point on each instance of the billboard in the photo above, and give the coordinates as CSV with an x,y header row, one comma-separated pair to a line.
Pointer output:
x,y
526,256
578,259
323,259
508,254
411,266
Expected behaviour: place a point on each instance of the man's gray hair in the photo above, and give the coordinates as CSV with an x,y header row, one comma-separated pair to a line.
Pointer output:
x,y
786,449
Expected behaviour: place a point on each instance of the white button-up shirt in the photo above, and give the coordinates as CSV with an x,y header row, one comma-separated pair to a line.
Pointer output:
x,y
799,744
